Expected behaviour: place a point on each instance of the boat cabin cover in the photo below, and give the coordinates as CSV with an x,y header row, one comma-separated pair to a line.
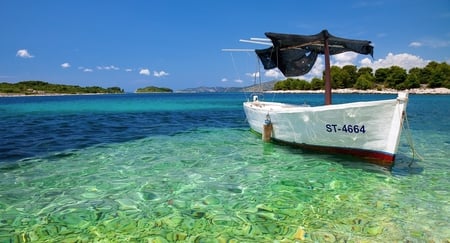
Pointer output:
x,y
295,55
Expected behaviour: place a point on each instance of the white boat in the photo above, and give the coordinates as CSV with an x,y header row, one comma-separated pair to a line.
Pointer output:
x,y
369,130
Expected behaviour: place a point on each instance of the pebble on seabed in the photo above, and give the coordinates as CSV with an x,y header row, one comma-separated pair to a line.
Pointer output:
x,y
299,234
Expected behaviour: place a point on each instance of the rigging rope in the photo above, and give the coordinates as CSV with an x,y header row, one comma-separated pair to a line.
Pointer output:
x,y
234,65
237,72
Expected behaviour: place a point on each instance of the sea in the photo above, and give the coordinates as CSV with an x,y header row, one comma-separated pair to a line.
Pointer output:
x,y
182,167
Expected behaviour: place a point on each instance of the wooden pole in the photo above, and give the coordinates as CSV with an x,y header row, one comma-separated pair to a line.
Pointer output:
x,y
327,70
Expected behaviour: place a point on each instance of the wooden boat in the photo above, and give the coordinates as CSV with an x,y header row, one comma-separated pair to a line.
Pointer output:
x,y
369,130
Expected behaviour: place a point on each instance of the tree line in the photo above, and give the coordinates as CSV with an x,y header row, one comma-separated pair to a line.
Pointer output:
x,y
433,75
41,87
153,89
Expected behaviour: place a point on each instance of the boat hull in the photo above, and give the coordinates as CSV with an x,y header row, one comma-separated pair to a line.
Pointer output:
x,y
370,130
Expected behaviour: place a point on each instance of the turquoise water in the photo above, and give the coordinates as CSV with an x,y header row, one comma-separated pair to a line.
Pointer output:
x,y
186,168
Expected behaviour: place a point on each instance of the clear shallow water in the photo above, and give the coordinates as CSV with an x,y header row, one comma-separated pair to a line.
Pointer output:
x,y
185,167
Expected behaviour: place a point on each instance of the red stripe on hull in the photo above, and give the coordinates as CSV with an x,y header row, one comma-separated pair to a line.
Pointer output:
x,y
376,157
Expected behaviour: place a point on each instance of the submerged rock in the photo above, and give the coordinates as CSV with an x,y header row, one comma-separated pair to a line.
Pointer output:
x,y
176,236
149,196
127,204
373,230
211,200
322,236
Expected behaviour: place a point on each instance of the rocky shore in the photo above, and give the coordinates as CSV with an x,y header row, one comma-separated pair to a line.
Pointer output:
x,y
45,94
440,91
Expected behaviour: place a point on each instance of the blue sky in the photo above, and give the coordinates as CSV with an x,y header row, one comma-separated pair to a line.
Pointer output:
x,y
178,44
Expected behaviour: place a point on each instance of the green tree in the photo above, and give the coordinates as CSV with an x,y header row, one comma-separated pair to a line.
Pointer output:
x,y
317,83
292,84
365,70
397,75
381,75
339,77
305,85
427,72
153,89
440,75
412,80
351,71
365,81
117,90
279,86
41,87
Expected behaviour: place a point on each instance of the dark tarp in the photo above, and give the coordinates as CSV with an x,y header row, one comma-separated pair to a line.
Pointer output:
x,y
295,55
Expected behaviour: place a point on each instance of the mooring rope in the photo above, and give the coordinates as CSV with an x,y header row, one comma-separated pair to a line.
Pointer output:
x,y
410,140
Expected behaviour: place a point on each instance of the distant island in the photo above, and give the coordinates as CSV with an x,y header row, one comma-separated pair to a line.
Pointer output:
x,y
153,89
264,86
44,88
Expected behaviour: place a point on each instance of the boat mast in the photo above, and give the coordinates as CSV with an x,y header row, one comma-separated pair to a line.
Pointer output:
x,y
327,70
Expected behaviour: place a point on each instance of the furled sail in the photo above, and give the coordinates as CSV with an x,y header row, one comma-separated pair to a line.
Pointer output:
x,y
295,55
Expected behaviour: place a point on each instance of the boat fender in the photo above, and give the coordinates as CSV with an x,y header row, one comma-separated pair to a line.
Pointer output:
x,y
267,121
267,129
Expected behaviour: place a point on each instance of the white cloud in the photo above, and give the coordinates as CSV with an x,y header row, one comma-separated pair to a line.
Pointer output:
x,y
110,67
144,71
430,42
346,58
160,74
253,75
65,65
366,62
273,73
24,54
436,43
415,44
318,67
238,81
404,60
224,80
128,70
88,70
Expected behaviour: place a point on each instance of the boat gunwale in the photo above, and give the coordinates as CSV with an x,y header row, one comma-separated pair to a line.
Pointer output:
x,y
289,108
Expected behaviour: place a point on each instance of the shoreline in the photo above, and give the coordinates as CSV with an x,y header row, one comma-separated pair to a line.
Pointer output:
x,y
50,94
427,91
434,91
